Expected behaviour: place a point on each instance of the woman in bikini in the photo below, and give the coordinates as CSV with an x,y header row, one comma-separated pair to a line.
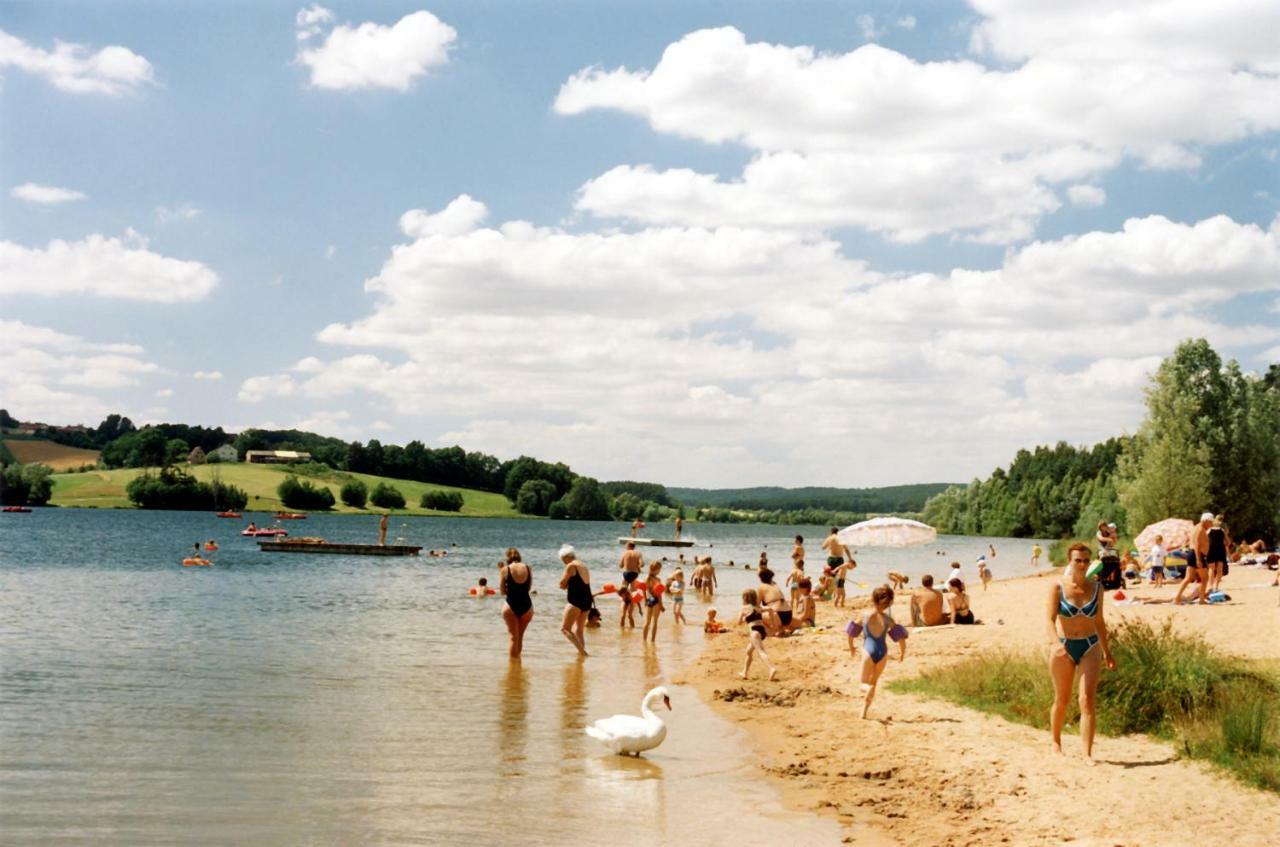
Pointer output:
x,y
514,581
576,582
1075,604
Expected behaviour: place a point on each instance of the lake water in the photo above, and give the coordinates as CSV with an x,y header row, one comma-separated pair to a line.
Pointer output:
x,y
284,699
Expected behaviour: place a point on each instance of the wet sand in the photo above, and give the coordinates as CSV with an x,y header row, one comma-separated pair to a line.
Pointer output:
x,y
930,772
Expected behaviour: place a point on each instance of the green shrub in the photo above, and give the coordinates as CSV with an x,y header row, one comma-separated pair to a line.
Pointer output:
x,y
301,494
442,501
23,485
558,511
354,493
386,497
535,497
174,488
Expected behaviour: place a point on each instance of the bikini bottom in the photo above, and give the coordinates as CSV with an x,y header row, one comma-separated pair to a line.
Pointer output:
x,y
1078,647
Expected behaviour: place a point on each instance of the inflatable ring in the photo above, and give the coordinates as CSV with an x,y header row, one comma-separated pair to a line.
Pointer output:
x,y
211,547
195,563
658,589
609,588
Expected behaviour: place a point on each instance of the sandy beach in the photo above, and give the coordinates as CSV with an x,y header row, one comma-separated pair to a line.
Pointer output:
x,y
925,771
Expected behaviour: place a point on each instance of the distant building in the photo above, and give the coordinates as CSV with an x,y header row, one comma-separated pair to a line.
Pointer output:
x,y
196,456
275,457
225,453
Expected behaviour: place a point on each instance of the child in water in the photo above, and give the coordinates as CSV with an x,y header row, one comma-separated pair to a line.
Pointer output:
x,y
675,590
627,615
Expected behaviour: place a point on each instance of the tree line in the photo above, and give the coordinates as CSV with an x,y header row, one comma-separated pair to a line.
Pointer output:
x,y
1210,441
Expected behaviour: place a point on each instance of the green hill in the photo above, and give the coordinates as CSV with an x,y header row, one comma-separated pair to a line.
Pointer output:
x,y
893,498
106,489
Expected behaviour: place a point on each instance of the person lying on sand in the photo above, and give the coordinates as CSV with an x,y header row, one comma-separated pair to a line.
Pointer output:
x,y
926,604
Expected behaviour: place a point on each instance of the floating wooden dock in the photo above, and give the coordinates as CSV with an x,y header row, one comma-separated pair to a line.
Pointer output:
x,y
655,542
338,548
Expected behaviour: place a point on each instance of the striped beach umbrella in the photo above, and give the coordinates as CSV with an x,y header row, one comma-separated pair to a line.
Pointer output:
x,y
887,532
1176,532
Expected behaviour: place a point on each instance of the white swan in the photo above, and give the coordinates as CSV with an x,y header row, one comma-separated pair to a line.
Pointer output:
x,y
628,734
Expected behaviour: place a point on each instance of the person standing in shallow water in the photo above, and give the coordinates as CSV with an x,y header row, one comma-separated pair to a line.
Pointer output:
x,y
576,582
1075,604
515,579
679,527
382,530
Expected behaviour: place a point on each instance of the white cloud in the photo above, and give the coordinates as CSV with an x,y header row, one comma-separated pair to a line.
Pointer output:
x,y
867,26
165,392
372,55
103,267
309,21
836,136
462,215
330,251
112,70
51,376
255,389
1086,195
767,353
907,22
185,212
207,375
45,195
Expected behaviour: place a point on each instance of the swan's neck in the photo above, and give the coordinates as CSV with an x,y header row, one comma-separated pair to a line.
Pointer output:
x,y
647,712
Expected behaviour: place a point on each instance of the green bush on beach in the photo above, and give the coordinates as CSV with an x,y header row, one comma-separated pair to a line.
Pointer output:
x,y
1172,686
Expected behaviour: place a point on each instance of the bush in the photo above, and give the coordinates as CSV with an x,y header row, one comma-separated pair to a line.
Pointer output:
x,y
174,488
23,485
442,501
355,494
558,511
386,497
301,494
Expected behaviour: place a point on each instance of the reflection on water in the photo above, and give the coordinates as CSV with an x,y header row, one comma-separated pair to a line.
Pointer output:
x,y
513,717
277,699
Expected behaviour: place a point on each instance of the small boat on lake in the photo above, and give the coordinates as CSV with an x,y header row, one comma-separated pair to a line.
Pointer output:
x,y
229,514
290,516
17,509
258,533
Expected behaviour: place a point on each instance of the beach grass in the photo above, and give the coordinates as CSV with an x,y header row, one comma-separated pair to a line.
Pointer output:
x,y
106,489
1166,684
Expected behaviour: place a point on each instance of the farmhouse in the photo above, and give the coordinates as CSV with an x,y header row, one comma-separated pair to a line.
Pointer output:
x,y
225,453
275,457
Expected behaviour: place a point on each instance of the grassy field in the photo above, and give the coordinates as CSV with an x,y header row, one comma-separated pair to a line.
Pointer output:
x,y
106,489
57,456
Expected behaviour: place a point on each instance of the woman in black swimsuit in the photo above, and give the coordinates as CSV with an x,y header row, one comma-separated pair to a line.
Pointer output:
x,y
514,581
756,635
1219,543
577,584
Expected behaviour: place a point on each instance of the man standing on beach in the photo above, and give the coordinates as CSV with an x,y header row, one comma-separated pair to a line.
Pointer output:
x,y
836,551
1198,568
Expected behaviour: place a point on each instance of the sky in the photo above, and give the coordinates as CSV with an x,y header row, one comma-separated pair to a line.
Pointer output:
x,y
699,243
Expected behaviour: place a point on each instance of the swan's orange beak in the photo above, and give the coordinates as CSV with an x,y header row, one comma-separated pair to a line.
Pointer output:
x,y
667,701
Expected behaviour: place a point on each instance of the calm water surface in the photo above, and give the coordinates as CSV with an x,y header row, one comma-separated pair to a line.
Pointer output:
x,y
283,699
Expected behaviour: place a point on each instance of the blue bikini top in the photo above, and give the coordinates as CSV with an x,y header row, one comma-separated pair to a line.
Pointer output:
x,y
1088,610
